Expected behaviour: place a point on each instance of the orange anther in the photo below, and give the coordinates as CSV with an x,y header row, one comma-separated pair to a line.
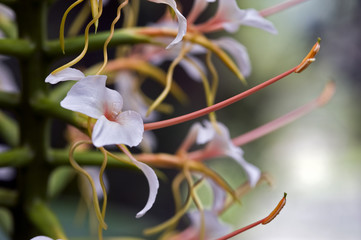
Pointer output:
x,y
309,58
276,211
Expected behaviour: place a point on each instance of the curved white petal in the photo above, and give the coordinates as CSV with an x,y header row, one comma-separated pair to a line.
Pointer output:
x,y
191,70
128,129
253,173
182,22
222,143
65,75
219,196
254,19
94,172
7,12
42,238
153,185
7,80
126,84
229,14
205,133
214,228
87,96
238,52
7,173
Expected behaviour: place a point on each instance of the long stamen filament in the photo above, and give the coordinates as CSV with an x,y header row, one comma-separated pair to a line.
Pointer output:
x,y
269,127
280,7
303,65
215,107
265,220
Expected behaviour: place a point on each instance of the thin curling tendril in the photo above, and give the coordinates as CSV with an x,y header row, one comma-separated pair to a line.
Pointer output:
x,y
180,213
207,89
105,195
62,24
86,39
169,81
76,166
105,52
196,200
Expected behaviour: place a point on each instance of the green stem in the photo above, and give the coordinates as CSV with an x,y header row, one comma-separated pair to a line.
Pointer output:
x,y
9,130
61,157
46,107
45,220
96,41
16,47
8,198
16,157
9,100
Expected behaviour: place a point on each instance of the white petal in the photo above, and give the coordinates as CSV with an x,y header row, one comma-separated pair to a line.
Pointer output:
x,y
219,141
128,129
254,19
238,52
87,96
252,172
191,70
214,228
41,238
94,173
7,12
229,13
204,134
153,186
152,181
222,143
182,22
65,75
219,196
7,173
126,84
7,80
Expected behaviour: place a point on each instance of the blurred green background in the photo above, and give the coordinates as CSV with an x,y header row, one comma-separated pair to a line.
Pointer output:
x,y
317,159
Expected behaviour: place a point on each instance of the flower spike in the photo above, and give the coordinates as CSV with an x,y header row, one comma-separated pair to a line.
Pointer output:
x,y
310,58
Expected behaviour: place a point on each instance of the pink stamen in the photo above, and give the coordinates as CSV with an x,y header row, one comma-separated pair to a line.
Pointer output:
x,y
265,220
215,107
287,118
279,7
